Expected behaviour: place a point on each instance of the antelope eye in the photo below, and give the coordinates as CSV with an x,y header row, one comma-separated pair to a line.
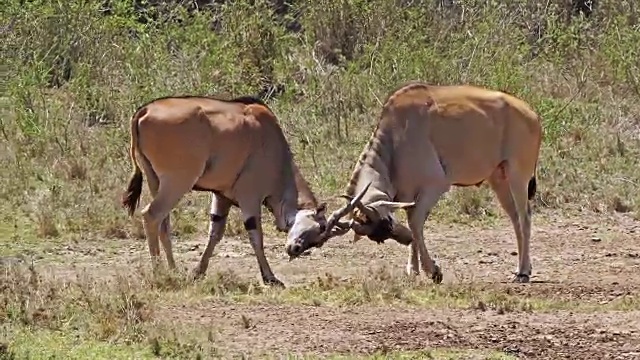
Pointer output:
x,y
323,227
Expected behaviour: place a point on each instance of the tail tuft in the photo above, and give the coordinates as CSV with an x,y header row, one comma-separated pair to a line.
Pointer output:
x,y
131,197
531,190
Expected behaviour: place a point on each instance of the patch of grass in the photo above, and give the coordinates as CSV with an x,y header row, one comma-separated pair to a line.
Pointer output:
x,y
118,307
47,344
85,316
385,289
113,310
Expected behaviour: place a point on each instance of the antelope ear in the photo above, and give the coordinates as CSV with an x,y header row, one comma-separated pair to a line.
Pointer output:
x,y
321,209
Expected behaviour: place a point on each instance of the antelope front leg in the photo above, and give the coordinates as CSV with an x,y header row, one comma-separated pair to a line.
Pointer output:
x,y
253,225
429,266
427,199
413,265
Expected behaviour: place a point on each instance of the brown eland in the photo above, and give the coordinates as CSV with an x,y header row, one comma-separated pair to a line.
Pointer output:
x,y
428,139
234,149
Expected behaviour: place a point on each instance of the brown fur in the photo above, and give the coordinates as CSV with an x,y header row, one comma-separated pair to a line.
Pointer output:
x,y
131,197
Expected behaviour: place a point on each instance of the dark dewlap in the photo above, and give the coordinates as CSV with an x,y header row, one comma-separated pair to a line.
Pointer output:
x,y
233,202
382,231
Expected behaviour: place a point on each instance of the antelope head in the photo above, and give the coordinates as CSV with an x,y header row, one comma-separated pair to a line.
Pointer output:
x,y
375,220
326,230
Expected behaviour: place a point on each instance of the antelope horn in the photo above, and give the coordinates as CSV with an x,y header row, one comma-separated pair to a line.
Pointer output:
x,y
338,214
371,214
344,224
342,228
340,231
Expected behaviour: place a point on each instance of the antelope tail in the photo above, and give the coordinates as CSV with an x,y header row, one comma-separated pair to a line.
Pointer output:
x,y
531,189
131,197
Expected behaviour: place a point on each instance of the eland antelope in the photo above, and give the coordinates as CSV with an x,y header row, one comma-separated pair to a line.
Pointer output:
x,y
233,148
428,139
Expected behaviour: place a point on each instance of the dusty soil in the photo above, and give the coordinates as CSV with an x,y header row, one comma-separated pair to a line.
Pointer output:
x,y
588,259
285,329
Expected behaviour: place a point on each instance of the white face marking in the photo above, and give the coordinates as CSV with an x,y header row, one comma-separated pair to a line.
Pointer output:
x,y
305,227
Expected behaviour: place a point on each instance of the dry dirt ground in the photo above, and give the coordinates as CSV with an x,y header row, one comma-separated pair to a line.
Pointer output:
x,y
585,259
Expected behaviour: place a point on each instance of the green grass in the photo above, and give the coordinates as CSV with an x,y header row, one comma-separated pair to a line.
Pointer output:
x,y
122,316
382,289
59,345
125,315
72,75
56,345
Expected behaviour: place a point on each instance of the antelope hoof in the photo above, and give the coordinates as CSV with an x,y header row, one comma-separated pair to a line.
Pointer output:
x,y
521,278
158,270
196,274
411,272
274,282
436,276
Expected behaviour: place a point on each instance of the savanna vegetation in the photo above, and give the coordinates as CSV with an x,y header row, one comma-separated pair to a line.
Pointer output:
x,y
73,72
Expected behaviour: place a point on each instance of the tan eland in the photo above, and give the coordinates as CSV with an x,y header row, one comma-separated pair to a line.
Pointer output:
x,y
428,139
232,148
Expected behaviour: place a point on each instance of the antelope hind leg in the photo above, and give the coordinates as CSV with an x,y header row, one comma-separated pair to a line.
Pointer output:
x,y
502,183
169,193
518,189
165,240
151,228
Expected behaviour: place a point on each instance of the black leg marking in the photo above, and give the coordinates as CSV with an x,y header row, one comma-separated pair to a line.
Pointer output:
x,y
437,275
382,231
217,218
250,224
